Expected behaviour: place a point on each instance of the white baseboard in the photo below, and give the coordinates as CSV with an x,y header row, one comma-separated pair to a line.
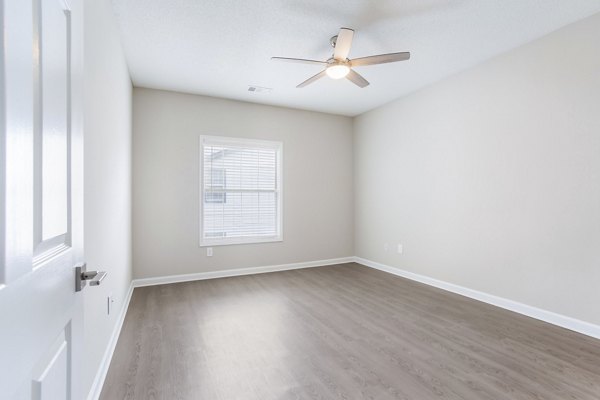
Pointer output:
x,y
108,353
161,280
563,321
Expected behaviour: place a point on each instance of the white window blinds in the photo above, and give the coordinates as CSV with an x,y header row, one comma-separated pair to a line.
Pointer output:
x,y
240,191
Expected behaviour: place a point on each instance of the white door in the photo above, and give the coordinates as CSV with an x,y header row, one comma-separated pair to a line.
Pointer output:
x,y
41,186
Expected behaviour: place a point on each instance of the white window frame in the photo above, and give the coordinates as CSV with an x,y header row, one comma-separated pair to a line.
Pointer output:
x,y
243,142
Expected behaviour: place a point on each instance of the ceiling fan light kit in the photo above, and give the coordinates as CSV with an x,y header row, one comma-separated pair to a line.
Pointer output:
x,y
339,66
337,70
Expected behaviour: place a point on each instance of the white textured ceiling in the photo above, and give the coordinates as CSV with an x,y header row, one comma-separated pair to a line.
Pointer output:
x,y
219,47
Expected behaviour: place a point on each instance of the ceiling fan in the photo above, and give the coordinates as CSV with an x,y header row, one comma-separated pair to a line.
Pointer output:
x,y
339,66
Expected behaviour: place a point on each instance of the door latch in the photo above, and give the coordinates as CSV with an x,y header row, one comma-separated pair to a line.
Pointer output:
x,y
82,276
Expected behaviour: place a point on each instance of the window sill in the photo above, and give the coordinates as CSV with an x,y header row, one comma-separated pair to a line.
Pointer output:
x,y
227,242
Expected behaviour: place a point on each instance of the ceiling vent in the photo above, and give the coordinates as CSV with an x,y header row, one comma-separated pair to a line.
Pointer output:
x,y
259,89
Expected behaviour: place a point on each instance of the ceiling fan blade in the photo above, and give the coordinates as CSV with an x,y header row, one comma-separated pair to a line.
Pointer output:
x,y
380,59
299,60
357,79
343,44
312,79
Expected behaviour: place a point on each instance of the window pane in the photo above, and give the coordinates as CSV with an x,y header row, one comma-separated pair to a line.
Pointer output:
x,y
247,168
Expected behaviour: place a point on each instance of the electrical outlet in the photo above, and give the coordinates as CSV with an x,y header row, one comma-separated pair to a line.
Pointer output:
x,y
109,303
209,252
400,249
386,247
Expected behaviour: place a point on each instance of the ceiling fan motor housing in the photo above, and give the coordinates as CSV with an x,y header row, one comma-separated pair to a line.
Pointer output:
x,y
333,61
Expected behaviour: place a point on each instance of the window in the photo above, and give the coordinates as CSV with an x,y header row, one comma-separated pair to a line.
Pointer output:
x,y
240,183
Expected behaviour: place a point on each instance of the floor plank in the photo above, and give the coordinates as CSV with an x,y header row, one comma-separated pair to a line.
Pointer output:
x,y
340,332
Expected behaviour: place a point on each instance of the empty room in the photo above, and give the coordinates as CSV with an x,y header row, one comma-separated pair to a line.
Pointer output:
x,y
300,199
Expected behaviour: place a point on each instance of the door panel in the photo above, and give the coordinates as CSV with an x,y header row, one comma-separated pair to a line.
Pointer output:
x,y
54,76
52,109
42,199
51,374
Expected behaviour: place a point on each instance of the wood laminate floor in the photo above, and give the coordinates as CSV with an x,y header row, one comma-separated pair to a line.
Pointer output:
x,y
340,332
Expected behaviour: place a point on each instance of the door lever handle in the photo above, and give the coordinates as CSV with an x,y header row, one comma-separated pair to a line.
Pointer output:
x,y
95,277
82,276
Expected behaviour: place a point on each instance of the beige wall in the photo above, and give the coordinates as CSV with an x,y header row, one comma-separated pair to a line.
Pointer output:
x,y
317,182
107,141
491,178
